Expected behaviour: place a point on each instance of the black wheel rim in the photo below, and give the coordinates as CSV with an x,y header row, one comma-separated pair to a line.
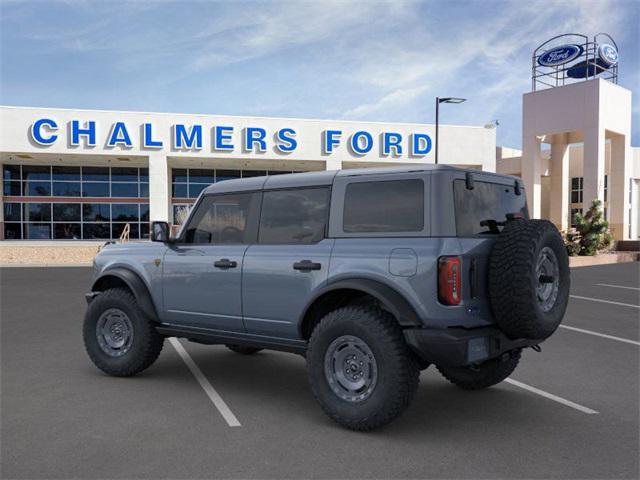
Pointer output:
x,y
114,332
548,279
350,368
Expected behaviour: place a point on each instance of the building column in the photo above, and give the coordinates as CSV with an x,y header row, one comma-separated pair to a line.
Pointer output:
x,y
593,164
159,188
333,164
531,173
619,185
559,173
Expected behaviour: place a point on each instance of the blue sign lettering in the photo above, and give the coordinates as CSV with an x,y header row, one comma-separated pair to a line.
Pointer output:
x,y
420,144
286,140
255,136
358,146
147,138
89,132
391,140
119,136
330,140
222,137
183,139
36,131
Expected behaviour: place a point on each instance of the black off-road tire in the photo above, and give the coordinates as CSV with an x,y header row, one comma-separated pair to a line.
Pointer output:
x,y
242,349
484,375
513,280
146,342
397,369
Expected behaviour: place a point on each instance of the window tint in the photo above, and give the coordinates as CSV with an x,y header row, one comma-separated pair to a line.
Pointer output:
x,y
294,216
487,201
385,206
223,219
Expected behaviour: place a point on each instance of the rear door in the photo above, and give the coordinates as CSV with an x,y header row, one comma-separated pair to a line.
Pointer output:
x,y
202,273
290,259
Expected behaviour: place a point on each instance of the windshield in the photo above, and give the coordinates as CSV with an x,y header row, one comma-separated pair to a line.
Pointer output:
x,y
486,201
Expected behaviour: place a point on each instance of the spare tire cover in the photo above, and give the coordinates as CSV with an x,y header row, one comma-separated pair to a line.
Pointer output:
x,y
529,279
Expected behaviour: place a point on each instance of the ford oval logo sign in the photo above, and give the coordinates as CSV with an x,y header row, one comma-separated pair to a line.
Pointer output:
x,y
608,54
560,55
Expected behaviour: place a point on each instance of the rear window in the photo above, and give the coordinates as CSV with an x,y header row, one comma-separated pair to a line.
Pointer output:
x,y
487,201
385,206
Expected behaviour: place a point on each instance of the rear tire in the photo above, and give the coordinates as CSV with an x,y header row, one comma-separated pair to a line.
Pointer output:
x,y
484,375
118,337
242,349
361,371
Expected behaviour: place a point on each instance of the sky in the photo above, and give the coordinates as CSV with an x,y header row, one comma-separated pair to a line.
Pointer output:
x,y
368,60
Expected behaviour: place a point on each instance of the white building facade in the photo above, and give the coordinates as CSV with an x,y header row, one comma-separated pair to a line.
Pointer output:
x,y
85,174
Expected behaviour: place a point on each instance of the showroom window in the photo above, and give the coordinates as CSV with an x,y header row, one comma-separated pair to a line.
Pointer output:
x,y
78,202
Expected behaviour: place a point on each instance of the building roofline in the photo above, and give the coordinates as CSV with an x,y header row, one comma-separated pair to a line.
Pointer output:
x,y
18,107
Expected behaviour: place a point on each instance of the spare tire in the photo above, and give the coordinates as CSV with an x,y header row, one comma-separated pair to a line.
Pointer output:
x,y
529,279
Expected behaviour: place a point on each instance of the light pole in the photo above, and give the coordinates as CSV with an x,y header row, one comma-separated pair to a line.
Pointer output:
x,y
438,102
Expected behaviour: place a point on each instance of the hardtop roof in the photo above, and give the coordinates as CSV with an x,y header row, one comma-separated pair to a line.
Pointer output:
x,y
313,179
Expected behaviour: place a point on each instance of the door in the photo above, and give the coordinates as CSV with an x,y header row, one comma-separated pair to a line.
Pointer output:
x,y
202,272
290,260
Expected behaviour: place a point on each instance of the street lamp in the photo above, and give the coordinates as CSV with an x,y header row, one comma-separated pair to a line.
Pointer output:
x,y
438,102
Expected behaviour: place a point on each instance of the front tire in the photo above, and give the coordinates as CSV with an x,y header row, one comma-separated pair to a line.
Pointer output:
x,y
484,375
360,369
118,337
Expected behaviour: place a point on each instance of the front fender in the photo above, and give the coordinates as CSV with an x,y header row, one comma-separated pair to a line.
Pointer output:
x,y
135,284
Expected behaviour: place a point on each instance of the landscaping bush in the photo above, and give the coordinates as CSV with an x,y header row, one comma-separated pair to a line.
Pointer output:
x,y
591,233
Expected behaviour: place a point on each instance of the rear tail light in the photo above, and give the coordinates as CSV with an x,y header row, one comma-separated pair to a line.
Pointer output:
x,y
449,280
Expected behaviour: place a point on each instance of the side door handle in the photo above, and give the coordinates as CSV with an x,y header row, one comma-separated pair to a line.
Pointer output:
x,y
225,263
307,265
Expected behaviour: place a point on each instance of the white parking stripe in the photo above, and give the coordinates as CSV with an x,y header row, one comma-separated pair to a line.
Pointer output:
x,y
551,396
605,301
610,337
211,392
616,286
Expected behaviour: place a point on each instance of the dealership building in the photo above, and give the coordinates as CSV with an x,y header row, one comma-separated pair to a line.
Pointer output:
x,y
85,174
91,175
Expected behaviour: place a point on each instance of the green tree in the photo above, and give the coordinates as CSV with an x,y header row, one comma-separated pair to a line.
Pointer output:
x,y
591,233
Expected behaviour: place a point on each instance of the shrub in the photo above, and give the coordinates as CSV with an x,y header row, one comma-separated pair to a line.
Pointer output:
x,y
591,234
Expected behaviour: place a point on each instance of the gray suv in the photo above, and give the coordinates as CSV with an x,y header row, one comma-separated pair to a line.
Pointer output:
x,y
371,274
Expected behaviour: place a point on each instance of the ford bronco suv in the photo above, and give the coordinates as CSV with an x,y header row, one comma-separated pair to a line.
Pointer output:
x,y
371,274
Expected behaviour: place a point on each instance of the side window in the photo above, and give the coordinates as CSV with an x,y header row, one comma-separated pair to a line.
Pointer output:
x,y
384,206
296,216
223,219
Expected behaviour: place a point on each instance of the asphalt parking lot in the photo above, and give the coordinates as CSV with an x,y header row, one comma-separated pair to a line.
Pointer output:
x,y
572,410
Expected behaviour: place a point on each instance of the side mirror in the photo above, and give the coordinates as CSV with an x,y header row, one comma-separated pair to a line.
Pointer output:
x,y
160,232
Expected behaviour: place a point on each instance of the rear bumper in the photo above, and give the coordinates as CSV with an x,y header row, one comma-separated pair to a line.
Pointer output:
x,y
456,347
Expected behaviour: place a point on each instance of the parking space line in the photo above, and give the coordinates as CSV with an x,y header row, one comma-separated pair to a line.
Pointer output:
x,y
610,337
211,392
616,286
605,301
553,397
